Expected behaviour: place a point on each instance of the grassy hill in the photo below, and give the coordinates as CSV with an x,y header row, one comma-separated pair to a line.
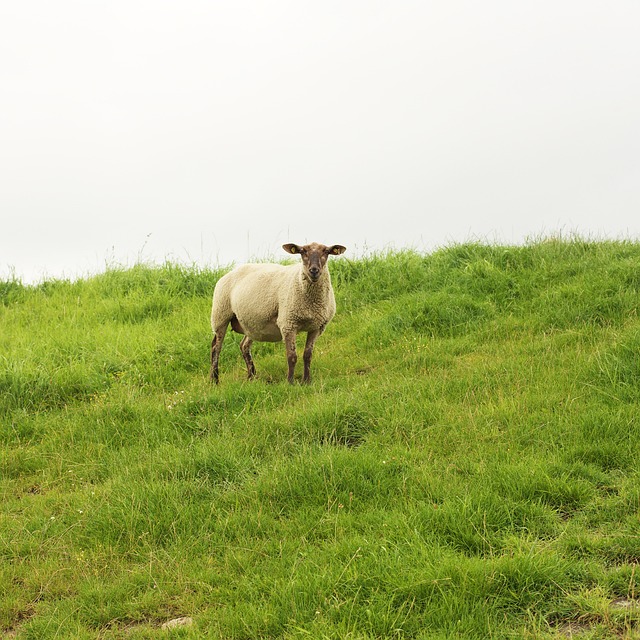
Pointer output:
x,y
465,463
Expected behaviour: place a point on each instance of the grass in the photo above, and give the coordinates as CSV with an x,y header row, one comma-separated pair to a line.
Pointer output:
x,y
464,464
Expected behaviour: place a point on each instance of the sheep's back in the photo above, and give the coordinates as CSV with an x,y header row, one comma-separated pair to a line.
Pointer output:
x,y
256,285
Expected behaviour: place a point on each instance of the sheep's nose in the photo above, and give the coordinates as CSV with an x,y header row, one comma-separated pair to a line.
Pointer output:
x,y
314,272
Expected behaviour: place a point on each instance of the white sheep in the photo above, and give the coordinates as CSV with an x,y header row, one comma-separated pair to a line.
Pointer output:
x,y
273,302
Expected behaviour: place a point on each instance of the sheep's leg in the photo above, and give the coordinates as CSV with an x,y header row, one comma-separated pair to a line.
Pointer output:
x,y
215,354
216,347
292,356
308,353
245,349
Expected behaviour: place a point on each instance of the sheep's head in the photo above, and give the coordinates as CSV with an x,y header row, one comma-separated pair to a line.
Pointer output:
x,y
314,257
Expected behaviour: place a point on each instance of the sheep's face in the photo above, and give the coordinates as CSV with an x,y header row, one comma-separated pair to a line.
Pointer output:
x,y
314,257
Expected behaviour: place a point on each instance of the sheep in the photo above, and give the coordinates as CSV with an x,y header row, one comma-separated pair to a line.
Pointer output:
x,y
273,302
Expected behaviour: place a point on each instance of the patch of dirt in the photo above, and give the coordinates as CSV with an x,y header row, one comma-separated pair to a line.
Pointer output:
x,y
573,629
177,622
623,603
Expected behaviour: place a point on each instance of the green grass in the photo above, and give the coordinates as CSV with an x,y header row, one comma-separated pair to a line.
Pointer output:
x,y
465,463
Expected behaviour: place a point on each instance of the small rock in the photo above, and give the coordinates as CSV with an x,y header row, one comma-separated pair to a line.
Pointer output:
x,y
177,622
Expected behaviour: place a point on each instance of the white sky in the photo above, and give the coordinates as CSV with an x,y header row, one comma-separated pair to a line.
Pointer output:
x,y
212,132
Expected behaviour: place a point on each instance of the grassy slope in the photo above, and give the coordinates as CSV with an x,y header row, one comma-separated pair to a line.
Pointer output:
x,y
465,463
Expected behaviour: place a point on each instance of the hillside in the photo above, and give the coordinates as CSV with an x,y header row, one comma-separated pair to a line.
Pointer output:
x,y
465,463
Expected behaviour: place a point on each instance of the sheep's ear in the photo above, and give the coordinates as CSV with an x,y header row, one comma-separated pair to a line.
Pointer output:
x,y
337,249
291,248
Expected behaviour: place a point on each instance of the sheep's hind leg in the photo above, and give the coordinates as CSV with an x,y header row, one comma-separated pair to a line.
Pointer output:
x,y
292,356
312,336
245,349
216,347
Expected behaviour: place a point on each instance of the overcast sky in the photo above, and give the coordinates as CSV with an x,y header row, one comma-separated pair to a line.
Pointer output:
x,y
211,132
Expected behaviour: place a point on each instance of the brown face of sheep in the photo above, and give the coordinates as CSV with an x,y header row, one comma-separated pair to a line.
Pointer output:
x,y
314,257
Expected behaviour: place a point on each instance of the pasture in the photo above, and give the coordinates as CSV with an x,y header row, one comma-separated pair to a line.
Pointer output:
x,y
465,463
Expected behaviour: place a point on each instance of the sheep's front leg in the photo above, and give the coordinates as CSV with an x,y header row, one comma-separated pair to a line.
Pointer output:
x,y
292,356
245,349
312,336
